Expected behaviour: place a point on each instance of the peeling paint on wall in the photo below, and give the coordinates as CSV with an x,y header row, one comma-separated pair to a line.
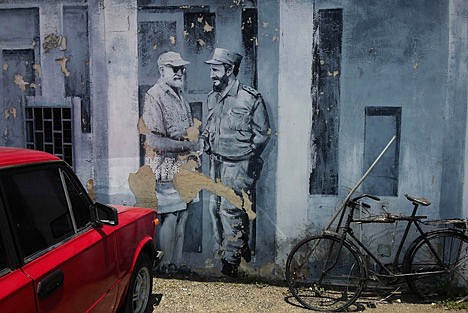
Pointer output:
x,y
20,82
54,41
63,65
143,185
90,189
9,113
37,67
207,28
189,182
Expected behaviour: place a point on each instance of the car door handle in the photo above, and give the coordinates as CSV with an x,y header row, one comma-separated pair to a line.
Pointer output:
x,y
50,284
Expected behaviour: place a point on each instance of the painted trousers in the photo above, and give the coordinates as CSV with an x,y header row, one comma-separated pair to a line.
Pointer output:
x,y
231,224
171,235
172,214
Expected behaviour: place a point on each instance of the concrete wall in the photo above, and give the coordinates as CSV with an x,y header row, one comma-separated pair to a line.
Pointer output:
x,y
408,54
294,123
398,54
122,96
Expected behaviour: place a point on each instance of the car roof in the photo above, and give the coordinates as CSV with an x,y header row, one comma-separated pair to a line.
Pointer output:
x,y
10,156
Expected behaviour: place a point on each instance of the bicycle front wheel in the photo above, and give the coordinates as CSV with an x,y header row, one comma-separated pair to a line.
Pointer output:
x,y
325,274
440,265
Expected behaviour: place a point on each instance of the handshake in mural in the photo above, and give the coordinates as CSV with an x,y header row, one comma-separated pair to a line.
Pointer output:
x,y
188,181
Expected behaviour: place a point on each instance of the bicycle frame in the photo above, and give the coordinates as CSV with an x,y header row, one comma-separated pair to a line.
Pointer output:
x,y
338,258
413,219
352,204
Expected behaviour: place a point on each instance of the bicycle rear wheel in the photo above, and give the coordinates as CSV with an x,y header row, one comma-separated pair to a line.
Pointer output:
x,y
448,257
325,275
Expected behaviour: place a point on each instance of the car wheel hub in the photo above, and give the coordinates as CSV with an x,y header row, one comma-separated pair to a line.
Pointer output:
x,y
141,290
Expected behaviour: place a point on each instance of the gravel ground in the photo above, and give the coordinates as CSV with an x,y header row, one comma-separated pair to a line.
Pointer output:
x,y
171,294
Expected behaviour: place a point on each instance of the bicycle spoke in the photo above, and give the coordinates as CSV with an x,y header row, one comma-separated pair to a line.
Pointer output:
x,y
324,275
445,252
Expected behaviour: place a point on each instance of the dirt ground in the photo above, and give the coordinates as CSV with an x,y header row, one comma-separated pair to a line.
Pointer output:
x,y
234,295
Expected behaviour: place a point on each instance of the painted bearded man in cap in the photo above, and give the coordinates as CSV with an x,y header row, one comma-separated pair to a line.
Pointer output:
x,y
166,118
236,132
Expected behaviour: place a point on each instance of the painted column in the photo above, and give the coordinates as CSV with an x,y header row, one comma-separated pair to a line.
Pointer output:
x,y
294,122
122,96
98,93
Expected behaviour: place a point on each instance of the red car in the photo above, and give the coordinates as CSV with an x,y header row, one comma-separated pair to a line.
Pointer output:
x,y
59,251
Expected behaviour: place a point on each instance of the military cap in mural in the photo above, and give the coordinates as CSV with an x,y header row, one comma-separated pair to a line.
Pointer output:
x,y
171,58
224,56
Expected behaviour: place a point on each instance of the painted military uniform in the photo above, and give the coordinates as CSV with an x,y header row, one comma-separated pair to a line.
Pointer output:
x,y
236,131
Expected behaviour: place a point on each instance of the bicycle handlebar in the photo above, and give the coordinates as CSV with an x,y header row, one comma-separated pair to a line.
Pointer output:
x,y
365,196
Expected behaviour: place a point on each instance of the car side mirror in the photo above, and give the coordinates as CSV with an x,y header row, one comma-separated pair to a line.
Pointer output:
x,y
105,214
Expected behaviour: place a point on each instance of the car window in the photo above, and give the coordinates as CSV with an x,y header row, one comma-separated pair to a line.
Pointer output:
x,y
79,202
38,208
4,266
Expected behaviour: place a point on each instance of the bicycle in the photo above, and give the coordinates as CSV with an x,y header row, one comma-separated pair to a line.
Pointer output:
x,y
329,271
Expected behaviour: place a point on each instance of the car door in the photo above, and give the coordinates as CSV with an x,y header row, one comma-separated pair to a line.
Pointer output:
x,y
71,262
16,288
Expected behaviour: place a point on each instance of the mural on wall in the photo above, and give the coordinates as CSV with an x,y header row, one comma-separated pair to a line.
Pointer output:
x,y
53,87
179,45
234,136
236,132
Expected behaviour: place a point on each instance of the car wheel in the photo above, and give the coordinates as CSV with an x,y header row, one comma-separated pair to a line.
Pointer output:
x,y
141,285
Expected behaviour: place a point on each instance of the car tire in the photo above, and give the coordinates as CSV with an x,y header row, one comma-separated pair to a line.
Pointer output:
x,y
141,285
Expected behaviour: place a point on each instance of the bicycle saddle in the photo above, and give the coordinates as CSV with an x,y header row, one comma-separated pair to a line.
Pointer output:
x,y
421,201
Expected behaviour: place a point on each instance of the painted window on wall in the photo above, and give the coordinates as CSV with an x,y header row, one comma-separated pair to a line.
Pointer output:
x,y
20,70
75,29
381,124
250,43
326,71
49,129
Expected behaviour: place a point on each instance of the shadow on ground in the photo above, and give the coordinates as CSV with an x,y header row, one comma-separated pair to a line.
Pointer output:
x,y
371,298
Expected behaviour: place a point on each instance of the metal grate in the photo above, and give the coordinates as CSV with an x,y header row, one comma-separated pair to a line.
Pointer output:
x,y
50,130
